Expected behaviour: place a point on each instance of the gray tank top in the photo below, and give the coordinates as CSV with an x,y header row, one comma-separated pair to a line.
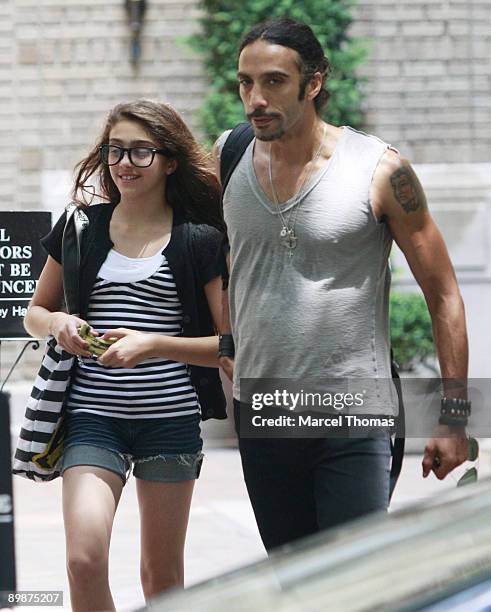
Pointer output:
x,y
322,313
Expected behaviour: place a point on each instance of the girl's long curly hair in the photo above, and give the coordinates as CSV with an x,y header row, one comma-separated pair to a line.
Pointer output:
x,y
192,188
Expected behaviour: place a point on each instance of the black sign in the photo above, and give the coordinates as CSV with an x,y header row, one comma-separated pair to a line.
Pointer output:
x,y
21,260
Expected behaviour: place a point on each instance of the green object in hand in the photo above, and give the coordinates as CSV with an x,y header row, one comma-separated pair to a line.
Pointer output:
x,y
97,346
472,449
470,475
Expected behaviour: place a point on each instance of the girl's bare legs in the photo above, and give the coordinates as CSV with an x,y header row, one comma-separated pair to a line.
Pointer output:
x,y
164,514
90,498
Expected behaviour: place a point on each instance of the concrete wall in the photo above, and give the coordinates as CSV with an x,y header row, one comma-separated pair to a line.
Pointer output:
x,y
429,76
460,201
64,64
429,94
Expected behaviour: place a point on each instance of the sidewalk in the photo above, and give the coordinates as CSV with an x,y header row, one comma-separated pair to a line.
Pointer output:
x,y
222,533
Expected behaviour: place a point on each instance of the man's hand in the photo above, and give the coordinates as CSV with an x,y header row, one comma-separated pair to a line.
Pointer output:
x,y
449,446
227,365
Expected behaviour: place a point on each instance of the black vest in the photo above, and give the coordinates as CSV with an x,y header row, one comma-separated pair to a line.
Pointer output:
x,y
191,254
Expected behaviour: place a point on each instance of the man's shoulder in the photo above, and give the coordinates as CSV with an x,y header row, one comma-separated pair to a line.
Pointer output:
x,y
365,136
219,142
217,149
229,148
391,163
223,137
390,159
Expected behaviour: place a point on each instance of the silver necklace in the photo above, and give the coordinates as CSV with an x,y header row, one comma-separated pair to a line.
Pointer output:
x,y
288,239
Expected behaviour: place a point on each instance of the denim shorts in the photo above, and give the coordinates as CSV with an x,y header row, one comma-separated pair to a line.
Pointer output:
x,y
161,449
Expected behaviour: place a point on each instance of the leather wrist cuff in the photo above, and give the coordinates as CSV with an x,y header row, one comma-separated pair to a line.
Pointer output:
x,y
454,411
226,346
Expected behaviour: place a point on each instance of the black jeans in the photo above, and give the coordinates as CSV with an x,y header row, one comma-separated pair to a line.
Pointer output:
x,y
299,486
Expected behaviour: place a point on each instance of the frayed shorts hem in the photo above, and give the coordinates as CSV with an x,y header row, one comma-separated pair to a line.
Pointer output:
x,y
157,468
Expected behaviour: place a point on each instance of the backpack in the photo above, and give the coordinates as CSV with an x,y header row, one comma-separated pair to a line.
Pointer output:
x,y
232,151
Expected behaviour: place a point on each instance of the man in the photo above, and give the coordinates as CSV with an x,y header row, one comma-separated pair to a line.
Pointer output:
x,y
311,211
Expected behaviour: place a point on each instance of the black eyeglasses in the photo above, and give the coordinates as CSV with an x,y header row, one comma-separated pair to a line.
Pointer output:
x,y
141,157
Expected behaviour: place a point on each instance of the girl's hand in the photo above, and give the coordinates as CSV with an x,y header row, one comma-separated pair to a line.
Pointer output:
x,y
131,348
64,329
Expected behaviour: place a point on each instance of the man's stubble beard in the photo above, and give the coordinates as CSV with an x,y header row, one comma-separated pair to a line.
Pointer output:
x,y
270,137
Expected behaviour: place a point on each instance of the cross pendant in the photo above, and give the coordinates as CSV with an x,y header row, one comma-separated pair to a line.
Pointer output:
x,y
288,239
291,241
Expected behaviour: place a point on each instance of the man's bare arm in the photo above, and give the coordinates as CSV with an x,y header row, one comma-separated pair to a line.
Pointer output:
x,y
399,199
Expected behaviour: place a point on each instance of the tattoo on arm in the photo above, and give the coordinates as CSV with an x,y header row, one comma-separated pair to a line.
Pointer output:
x,y
407,189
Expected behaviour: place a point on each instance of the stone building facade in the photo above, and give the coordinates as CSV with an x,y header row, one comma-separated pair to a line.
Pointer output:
x,y
64,63
429,94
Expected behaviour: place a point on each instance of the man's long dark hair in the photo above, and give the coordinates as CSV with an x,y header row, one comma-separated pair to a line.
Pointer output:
x,y
299,37
192,188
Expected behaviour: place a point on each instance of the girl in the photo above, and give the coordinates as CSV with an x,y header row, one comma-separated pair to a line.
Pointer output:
x,y
148,278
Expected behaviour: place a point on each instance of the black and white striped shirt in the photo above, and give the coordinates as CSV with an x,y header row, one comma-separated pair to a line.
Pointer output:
x,y
138,294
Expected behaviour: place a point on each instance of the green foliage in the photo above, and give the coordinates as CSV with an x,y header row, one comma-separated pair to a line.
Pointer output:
x,y
410,329
226,21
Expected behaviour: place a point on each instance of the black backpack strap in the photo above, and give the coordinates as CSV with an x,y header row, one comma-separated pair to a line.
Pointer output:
x,y
232,151
397,446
